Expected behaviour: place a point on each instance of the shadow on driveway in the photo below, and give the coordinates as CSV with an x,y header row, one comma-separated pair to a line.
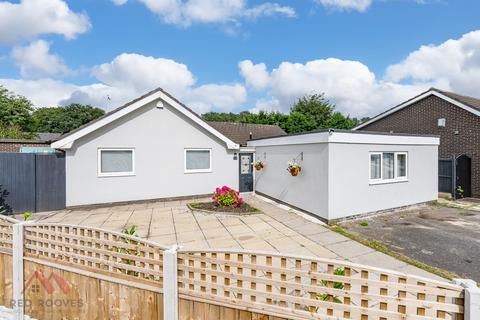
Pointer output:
x,y
448,238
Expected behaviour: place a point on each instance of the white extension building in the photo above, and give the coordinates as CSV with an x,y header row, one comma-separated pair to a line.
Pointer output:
x,y
348,173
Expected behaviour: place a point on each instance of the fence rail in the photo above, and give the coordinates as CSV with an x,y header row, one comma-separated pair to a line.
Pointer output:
x,y
278,285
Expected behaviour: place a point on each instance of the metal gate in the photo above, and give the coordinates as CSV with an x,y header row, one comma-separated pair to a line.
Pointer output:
x,y
34,182
445,175
454,176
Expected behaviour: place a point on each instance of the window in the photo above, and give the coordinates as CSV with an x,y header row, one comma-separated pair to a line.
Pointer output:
x,y
198,160
388,167
375,166
401,165
116,162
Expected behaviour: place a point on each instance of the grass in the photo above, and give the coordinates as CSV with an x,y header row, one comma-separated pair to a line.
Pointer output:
x,y
378,246
364,224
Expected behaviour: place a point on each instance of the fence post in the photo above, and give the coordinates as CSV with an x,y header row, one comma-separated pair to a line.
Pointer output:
x,y
472,298
18,297
170,284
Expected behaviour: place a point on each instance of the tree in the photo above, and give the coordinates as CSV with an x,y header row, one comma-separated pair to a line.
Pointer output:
x,y
14,132
64,119
339,121
299,122
317,107
308,113
221,116
15,110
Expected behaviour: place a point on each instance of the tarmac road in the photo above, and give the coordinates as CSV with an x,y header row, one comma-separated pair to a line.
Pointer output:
x,y
448,238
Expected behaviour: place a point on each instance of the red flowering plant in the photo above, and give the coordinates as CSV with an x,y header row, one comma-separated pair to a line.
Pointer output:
x,y
227,197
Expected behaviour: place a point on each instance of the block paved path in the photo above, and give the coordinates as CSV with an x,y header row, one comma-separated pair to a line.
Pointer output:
x,y
277,228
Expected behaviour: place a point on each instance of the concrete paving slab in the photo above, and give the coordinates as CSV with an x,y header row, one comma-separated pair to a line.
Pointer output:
x,y
349,249
378,258
328,237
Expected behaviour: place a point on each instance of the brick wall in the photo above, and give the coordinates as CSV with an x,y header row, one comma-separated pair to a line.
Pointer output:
x,y
14,146
421,118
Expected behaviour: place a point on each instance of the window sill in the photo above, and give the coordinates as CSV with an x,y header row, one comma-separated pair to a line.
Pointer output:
x,y
197,171
387,181
119,174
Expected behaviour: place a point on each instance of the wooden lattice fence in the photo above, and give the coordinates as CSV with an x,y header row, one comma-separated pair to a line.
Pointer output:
x,y
305,287
215,284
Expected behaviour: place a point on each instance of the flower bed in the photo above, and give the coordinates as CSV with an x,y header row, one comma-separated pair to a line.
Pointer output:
x,y
225,200
212,207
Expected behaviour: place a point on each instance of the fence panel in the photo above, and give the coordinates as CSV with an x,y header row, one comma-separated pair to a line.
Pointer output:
x,y
50,182
35,182
17,176
304,288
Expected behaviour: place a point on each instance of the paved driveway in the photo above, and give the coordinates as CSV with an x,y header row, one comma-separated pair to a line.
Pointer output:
x,y
277,229
439,236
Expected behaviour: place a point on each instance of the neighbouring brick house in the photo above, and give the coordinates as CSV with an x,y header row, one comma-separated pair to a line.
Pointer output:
x,y
455,118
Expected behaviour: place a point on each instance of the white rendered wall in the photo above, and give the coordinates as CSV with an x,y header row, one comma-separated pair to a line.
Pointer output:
x,y
352,194
159,137
308,190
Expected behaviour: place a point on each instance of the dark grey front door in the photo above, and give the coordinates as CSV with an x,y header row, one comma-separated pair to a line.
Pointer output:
x,y
246,172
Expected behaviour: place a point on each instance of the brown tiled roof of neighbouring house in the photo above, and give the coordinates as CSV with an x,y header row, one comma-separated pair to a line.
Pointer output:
x,y
469,101
240,132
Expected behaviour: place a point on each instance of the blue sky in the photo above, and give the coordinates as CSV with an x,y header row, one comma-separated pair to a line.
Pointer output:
x,y
232,55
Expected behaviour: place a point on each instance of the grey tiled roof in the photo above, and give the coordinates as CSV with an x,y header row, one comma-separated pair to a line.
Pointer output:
x,y
240,132
469,101
48,136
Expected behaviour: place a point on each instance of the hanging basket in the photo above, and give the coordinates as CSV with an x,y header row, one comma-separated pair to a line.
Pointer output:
x,y
259,165
294,170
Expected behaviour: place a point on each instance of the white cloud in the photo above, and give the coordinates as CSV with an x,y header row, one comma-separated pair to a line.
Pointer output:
x,y
271,104
35,60
185,13
119,2
227,96
349,84
355,89
30,18
357,5
256,75
126,77
454,63
269,9
42,92
143,73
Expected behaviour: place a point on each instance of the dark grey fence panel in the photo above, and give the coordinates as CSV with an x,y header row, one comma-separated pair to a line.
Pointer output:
x,y
50,182
35,182
17,176
445,175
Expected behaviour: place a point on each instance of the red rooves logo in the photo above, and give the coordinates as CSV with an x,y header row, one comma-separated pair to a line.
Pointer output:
x,y
47,283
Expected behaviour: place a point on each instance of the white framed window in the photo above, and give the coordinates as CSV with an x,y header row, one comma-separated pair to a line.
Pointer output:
x,y
198,160
116,162
388,167
401,165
